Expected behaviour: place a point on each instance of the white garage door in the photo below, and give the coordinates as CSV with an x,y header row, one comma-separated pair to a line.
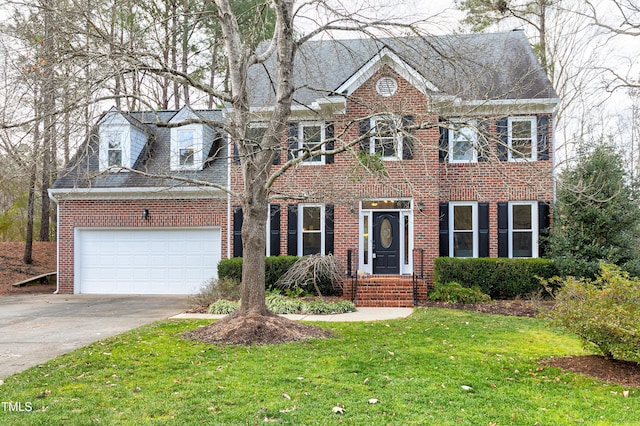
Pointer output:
x,y
145,261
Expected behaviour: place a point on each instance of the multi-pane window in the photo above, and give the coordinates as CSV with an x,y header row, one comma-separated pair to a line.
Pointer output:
x,y
186,148
312,232
462,144
522,138
386,140
523,230
464,235
114,148
309,140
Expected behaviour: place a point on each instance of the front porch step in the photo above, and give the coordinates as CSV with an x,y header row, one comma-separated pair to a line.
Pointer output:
x,y
384,291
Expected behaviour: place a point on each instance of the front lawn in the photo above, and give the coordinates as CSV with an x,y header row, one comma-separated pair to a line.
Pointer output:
x,y
438,366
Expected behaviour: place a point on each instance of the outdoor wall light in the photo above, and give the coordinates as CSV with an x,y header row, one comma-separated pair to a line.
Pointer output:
x,y
420,206
145,214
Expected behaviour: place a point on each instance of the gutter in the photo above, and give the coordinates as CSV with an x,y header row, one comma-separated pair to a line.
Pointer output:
x,y
57,194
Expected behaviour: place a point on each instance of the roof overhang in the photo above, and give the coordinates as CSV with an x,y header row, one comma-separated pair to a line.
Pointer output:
x,y
150,193
387,57
495,107
325,107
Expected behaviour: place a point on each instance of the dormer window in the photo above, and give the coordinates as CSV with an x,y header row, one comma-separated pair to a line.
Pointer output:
x,y
191,143
114,148
122,139
186,147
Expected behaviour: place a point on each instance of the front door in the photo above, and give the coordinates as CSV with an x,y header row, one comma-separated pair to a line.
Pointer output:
x,y
386,243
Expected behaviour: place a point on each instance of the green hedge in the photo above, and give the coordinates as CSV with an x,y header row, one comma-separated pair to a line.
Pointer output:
x,y
274,268
500,278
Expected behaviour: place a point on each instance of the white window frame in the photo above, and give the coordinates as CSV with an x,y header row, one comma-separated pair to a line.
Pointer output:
x,y
534,227
113,135
534,138
197,147
458,130
301,230
123,133
398,137
181,132
474,226
301,147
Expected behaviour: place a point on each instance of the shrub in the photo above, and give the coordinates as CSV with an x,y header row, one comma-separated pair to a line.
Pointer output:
x,y
216,289
603,312
313,274
279,304
500,278
274,268
320,307
455,293
223,307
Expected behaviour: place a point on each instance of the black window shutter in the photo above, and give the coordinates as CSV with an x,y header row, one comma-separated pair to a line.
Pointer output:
x,y
293,140
483,229
443,142
328,146
407,138
292,230
237,231
444,229
502,133
365,126
483,138
543,137
503,229
274,230
328,229
544,223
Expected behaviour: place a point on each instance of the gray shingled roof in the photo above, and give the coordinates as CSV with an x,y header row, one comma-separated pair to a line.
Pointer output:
x,y
499,66
83,169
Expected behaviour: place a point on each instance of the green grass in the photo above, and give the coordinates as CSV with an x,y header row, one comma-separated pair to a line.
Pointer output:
x,y
414,367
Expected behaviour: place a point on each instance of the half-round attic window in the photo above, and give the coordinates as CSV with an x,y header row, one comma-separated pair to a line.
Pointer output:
x,y
386,86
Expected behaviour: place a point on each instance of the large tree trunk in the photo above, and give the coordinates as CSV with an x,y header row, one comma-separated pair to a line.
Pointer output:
x,y
253,251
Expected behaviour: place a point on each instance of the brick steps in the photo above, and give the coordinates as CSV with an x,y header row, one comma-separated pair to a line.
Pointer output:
x,y
385,291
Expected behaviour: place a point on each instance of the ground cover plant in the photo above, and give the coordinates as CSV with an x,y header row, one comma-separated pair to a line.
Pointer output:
x,y
280,304
437,366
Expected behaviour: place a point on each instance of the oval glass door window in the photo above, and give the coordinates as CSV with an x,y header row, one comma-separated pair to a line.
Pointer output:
x,y
386,233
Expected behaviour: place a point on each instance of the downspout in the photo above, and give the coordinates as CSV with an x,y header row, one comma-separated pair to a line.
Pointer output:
x,y
553,157
53,198
229,161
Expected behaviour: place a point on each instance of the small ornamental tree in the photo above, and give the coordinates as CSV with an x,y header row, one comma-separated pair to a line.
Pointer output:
x,y
597,216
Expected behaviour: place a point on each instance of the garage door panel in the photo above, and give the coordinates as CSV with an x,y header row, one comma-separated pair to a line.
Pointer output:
x,y
149,261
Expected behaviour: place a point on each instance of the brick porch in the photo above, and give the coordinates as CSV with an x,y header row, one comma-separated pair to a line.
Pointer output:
x,y
390,291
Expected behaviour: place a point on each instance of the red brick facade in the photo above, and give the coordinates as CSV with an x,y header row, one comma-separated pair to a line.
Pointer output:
x,y
163,213
424,179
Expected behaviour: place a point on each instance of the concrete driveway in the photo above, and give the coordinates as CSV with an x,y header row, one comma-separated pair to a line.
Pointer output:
x,y
37,328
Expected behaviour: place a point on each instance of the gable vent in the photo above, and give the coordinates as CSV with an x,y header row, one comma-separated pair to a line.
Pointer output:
x,y
386,86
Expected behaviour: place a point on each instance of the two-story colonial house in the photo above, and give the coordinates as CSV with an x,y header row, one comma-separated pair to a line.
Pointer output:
x,y
426,147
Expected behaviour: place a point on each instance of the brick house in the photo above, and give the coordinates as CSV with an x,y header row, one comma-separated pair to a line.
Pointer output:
x,y
448,151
